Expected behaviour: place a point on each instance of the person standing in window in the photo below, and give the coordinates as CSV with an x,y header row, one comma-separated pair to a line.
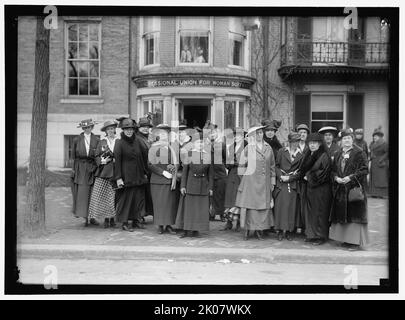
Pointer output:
x,y
163,166
379,165
316,168
254,196
185,55
197,182
131,176
102,201
286,200
84,167
143,135
329,135
349,219
200,56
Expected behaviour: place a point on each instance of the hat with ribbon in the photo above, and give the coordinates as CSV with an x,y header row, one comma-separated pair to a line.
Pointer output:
x,y
302,127
128,123
327,129
346,132
144,122
314,137
87,123
108,123
254,129
294,137
271,125
359,131
378,132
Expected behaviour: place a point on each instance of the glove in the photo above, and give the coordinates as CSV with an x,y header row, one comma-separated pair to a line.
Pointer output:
x,y
120,183
167,175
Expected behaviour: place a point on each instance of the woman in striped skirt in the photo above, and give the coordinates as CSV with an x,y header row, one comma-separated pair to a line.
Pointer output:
x,y
102,201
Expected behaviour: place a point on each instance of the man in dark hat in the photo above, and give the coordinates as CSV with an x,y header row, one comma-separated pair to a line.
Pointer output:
x,y
359,141
270,137
142,135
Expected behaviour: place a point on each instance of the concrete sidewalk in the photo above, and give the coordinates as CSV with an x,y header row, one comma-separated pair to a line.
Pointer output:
x,y
67,238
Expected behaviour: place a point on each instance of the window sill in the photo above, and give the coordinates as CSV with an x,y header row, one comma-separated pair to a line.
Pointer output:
x,y
191,64
150,66
82,100
233,66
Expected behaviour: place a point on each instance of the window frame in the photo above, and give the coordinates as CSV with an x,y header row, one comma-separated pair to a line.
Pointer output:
x,y
150,100
142,43
245,49
67,94
210,45
344,101
237,108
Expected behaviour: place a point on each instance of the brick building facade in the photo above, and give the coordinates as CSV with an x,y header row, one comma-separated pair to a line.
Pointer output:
x,y
200,68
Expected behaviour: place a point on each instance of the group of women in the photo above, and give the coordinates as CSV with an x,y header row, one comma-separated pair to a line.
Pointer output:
x,y
313,185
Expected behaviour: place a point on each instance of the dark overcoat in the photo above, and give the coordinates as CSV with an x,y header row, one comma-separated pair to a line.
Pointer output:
x,y
343,211
84,166
105,171
379,165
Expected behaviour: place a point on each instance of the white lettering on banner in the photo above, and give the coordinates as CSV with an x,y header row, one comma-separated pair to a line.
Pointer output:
x,y
193,83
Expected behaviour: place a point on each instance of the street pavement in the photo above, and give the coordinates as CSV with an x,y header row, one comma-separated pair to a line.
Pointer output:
x,y
67,237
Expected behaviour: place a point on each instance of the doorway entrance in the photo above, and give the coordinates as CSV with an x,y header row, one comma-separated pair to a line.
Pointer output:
x,y
195,111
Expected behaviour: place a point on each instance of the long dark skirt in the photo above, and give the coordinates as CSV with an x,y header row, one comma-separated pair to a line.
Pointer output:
x,y
317,209
378,180
256,219
164,204
149,211
102,200
302,202
192,213
131,203
81,199
231,189
285,208
354,233
218,198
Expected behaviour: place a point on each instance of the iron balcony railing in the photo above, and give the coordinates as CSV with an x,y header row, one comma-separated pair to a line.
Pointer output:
x,y
336,53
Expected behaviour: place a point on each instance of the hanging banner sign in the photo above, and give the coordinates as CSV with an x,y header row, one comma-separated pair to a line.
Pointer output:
x,y
193,83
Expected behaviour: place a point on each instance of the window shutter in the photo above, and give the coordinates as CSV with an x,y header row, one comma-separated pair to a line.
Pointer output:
x,y
302,109
355,111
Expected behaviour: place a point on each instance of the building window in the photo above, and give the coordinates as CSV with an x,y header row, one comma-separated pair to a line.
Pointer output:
x,y
194,40
83,59
150,36
237,39
155,108
234,114
327,110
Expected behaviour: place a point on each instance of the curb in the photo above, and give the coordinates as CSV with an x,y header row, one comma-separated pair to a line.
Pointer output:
x,y
105,252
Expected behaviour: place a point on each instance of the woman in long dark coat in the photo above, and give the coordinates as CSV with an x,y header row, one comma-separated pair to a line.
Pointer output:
x,y
316,168
379,165
270,129
102,201
163,166
349,219
254,197
84,167
131,176
286,201
197,182
232,154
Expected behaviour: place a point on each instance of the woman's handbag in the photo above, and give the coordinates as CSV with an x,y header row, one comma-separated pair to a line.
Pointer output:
x,y
356,193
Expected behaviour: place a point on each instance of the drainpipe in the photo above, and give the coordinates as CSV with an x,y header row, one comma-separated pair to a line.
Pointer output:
x,y
129,65
265,67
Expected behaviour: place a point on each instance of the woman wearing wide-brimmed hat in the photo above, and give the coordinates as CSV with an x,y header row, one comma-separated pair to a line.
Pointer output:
x,y
197,182
144,137
379,165
329,136
102,201
163,164
84,167
232,154
131,169
316,169
349,205
286,200
254,196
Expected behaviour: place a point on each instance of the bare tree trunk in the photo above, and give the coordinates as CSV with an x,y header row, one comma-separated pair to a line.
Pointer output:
x,y
265,73
35,215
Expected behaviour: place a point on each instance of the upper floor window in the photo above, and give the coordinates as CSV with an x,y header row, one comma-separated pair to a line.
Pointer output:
x,y
83,59
237,39
150,39
194,38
